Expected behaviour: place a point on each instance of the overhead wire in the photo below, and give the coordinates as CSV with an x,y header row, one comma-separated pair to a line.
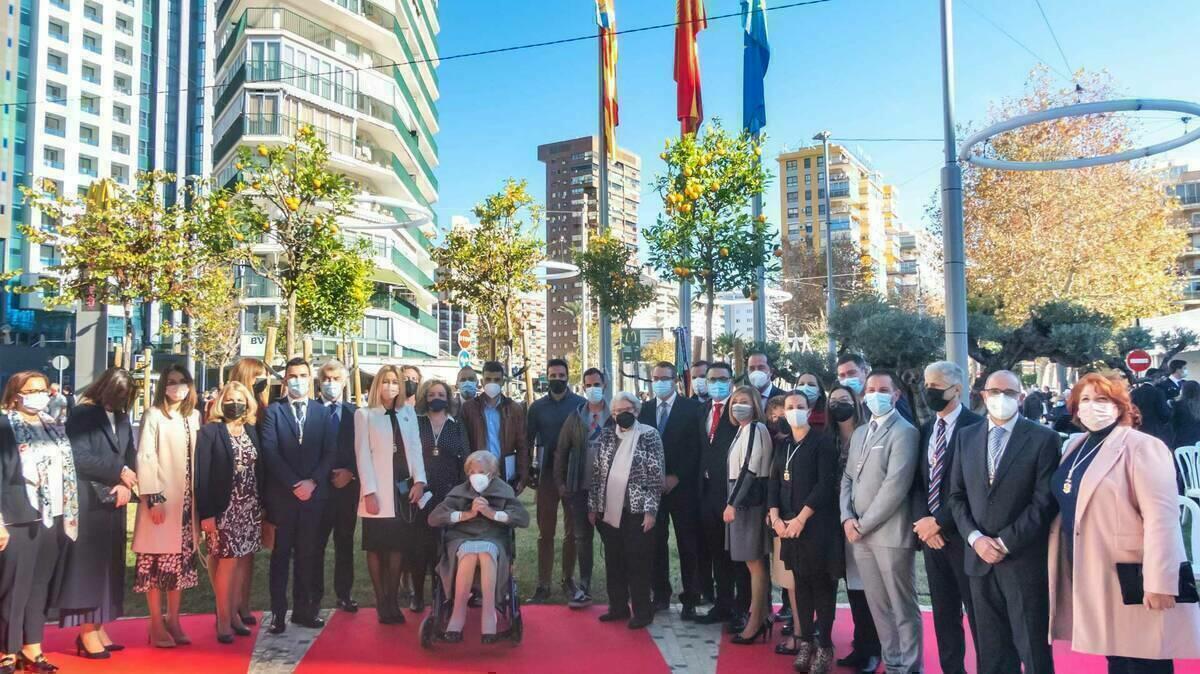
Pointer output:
x,y
1019,43
1058,44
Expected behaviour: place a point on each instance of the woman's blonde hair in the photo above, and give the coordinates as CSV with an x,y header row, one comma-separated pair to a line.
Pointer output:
x,y
217,414
373,397
484,459
755,402
247,371
419,405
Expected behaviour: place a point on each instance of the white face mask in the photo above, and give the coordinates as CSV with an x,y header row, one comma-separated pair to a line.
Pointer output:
x,y
35,402
177,392
759,379
1001,407
742,411
700,386
480,481
1097,416
491,389
390,391
797,418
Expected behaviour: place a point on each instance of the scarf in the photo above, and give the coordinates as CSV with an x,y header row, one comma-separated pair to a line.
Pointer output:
x,y
70,496
618,475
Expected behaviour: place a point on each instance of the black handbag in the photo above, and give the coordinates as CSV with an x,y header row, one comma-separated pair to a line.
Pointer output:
x,y
750,490
1129,575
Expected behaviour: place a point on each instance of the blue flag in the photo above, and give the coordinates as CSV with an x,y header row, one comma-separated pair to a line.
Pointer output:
x,y
756,56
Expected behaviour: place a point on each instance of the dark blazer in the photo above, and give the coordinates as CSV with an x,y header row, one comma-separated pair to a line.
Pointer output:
x,y
714,457
1151,401
99,456
945,516
345,440
1019,506
14,501
1185,425
1033,407
681,440
288,461
814,480
775,392
214,468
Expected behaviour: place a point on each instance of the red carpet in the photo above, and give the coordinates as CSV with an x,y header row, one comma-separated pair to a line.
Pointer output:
x,y
204,655
557,640
756,659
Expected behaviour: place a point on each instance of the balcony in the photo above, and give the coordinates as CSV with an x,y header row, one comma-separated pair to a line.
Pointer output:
x,y
123,58
386,301
839,189
52,163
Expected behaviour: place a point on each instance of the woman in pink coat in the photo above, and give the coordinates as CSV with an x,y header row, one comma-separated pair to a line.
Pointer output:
x,y
1116,490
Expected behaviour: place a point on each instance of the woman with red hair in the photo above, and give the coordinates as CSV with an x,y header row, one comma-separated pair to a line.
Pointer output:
x,y
1115,487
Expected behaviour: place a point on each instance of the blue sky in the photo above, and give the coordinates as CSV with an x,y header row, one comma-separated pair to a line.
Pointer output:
x,y
861,68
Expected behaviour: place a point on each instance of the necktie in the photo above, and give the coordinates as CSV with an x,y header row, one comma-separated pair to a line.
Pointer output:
x,y
595,423
937,467
300,408
333,411
664,411
995,438
715,421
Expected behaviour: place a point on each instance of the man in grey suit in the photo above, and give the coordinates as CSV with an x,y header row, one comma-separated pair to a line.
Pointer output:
x,y
877,514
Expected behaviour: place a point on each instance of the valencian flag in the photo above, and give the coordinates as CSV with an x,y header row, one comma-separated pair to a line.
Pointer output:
x,y
690,20
606,17
756,55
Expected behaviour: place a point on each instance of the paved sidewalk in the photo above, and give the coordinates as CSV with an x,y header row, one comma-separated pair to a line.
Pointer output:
x,y
686,646
281,653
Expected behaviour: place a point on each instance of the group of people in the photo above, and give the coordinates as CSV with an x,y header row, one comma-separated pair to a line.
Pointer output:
x,y
762,486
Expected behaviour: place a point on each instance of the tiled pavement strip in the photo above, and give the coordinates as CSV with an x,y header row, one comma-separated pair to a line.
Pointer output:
x,y
281,653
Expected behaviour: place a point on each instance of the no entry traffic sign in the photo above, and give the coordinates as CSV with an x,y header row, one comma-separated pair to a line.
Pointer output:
x,y
1138,360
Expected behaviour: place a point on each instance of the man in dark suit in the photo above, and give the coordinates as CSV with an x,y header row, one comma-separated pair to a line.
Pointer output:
x,y
852,372
1151,400
1034,406
760,372
678,420
1002,504
340,515
1176,373
716,435
299,447
941,544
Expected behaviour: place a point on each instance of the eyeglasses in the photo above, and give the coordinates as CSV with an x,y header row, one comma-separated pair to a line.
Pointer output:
x,y
663,378
718,379
1002,391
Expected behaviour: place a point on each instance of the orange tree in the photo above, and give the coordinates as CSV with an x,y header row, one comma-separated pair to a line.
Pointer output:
x,y
610,270
706,234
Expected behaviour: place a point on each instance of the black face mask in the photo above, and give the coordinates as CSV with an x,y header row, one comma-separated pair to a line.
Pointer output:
x,y
410,388
934,397
233,411
557,386
437,405
841,411
260,385
626,419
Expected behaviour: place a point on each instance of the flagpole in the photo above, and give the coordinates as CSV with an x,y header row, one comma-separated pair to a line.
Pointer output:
x,y
606,346
760,274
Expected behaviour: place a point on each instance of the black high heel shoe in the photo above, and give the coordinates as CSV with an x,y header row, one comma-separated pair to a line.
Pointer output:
x,y
40,664
763,632
224,639
241,631
113,648
247,618
83,652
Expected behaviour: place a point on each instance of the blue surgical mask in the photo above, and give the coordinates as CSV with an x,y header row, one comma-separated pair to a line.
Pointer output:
x,y
853,383
468,389
332,390
663,387
718,390
879,403
595,394
298,387
811,392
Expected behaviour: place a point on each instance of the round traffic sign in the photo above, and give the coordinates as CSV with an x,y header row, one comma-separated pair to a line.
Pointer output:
x,y
464,358
1138,360
464,339
60,363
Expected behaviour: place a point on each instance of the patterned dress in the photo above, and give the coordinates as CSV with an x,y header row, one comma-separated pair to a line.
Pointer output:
x,y
172,572
239,528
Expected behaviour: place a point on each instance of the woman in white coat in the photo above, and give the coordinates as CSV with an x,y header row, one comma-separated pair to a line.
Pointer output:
x,y
391,470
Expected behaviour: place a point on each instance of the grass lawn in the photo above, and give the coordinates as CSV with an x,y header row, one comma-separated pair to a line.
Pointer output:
x,y
199,599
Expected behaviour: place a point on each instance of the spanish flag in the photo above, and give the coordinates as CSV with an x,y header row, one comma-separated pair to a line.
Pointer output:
x,y
606,17
690,20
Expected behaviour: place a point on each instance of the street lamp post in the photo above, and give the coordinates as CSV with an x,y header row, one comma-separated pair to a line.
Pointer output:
x,y
952,207
829,298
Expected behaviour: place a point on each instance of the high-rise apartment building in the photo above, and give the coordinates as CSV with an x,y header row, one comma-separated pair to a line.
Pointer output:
x,y
857,201
1184,183
91,89
362,75
572,182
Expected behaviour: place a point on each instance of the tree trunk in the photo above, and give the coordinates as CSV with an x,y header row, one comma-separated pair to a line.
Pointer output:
x,y
127,352
291,326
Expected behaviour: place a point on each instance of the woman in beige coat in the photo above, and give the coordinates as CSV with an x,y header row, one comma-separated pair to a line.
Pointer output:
x,y
1116,491
164,537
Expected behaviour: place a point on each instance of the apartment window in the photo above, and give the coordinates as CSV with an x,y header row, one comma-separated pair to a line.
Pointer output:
x,y
55,93
89,104
120,143
821,193
62,4
820,162
89,135
56,62
808,195
93,12
120,174
123,84
793,213
791,181
56,126
808,211
57,30
807,178
121,113
808,162
124,24
791,164
52,157
87,165
91,73
820,209
820,176
121,54
92,42
793,197
1196,219
258,318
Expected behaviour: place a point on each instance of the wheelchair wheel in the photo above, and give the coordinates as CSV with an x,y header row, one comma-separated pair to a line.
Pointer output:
x,y
517,630
428,627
